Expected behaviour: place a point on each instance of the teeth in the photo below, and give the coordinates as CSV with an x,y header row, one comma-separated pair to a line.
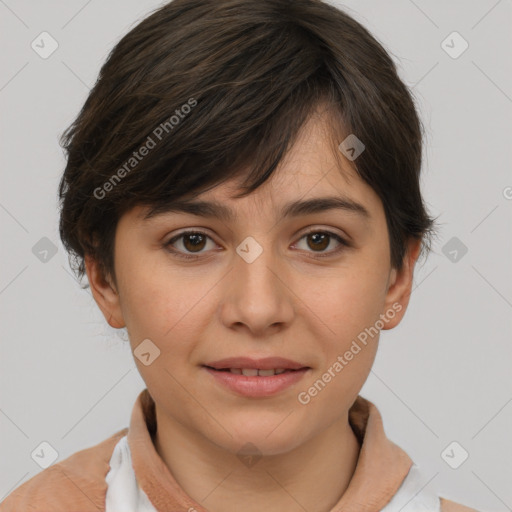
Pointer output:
x,y
266,373
252,372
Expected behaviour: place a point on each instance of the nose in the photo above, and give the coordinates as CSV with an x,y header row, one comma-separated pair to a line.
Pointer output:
x,y
257,297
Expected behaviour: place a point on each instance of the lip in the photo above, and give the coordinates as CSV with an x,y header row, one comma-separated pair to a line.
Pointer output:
x,y
266,363
256,386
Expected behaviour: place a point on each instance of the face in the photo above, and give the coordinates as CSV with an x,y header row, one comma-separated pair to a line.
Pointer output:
x,y
303,287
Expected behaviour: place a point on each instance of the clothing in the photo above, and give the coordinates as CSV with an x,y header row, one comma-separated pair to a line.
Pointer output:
x,y
124,473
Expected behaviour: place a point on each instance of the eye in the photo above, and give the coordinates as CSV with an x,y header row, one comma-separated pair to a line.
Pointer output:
x,y
320,240
193,242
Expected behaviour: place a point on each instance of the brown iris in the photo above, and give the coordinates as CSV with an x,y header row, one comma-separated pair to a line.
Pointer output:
x,y
320,240
193,241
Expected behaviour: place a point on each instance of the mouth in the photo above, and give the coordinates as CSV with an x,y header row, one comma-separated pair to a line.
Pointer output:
x,y
256,378
245,364
255,372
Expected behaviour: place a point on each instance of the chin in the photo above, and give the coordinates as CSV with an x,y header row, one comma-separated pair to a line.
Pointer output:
x,y
271,436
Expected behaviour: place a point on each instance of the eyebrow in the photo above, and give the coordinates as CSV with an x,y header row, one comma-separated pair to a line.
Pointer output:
x,y
214,209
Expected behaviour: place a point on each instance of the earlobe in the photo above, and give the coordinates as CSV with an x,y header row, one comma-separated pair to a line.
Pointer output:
x,y
400,286
104,293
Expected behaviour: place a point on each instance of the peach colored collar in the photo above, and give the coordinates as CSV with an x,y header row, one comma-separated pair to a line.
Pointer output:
x,y
380,470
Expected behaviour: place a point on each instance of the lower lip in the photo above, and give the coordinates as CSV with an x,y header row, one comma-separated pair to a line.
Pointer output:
x,y
257,387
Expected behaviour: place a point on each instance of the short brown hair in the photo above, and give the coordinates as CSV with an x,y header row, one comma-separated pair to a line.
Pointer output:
x,y
231,82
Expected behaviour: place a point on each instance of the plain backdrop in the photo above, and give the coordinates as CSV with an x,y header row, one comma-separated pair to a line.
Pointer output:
x,y
443,375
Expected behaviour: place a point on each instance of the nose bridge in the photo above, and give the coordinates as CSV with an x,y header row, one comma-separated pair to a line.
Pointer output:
x,y
255,266
258,298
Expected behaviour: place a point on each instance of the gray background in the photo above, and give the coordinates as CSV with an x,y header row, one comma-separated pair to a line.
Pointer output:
x,y
443,375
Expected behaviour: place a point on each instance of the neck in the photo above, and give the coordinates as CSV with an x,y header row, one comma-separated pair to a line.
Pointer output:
x,y
311,477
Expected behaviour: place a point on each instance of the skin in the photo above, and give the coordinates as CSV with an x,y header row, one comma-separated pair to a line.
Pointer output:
x,y
288,302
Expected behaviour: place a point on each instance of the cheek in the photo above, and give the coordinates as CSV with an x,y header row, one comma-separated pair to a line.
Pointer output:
x,y
147,297
348,300
351,313
164,306
349,307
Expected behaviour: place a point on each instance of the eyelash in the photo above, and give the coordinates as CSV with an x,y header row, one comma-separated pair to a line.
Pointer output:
x,y
343,243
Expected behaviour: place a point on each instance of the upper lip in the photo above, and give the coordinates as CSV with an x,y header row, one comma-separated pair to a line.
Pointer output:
x,y
266,363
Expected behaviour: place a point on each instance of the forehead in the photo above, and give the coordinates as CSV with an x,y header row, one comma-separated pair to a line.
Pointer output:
x,y
313,168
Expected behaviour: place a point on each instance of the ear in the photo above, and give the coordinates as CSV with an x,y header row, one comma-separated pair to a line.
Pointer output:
x,y
400,285
104,293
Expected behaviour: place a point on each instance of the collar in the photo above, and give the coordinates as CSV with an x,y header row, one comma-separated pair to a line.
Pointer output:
x,y
380,469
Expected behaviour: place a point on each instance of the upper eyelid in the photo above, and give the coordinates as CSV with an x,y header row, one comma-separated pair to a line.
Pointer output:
x,y
189,232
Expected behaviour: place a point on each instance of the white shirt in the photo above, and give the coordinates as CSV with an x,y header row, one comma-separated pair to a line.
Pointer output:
x,y
123,492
